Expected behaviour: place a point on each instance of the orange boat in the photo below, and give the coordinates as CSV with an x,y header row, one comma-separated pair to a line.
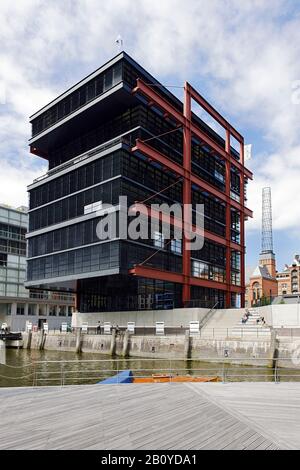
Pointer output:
x,y
126,376
161,378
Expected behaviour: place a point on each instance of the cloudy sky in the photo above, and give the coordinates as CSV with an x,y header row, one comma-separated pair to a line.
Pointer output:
x,y
244,56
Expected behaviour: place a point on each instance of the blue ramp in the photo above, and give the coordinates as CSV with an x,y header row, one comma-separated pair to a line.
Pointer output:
x,y
124,377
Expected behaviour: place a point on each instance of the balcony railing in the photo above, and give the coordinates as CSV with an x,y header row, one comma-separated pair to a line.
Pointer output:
x,y
13,250
65,297
124,138
12,236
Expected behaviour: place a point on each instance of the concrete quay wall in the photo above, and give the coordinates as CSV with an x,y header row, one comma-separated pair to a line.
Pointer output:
x,y
258,352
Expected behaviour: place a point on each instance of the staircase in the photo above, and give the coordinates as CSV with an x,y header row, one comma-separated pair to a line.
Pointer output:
x,y
251,328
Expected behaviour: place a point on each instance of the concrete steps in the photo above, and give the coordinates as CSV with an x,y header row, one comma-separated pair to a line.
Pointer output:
x,y
252,328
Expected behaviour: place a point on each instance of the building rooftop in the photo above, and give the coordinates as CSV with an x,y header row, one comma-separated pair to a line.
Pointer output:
x,y
261,271
23,209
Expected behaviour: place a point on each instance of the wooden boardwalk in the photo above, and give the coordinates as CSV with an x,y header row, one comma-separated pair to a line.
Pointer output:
x,y
151,416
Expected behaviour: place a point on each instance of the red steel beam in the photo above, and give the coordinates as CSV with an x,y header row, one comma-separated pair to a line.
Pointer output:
x,y
38,152
226,155
168,108
169,276
190,128
215,114
164,218
158,157
242,234
228,223
152,273
187,193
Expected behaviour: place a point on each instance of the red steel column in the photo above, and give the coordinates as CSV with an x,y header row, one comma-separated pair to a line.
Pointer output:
x,y
242,227
228,221
187,199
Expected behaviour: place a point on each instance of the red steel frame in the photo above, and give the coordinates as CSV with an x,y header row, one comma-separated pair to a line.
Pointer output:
x,y
185,171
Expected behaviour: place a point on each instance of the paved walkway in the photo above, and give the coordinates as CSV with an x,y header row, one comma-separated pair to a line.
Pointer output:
x,y
151,416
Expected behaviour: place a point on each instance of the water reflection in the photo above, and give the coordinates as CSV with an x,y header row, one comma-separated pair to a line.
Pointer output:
x,y
26,368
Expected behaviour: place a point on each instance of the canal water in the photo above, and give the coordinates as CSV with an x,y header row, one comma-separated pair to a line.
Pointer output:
x,y
28,368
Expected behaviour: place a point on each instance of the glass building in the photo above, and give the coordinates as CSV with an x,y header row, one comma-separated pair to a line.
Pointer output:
x,y
18,304
119,132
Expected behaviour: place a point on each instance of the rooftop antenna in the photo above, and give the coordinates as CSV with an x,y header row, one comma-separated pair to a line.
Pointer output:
x,y
267,234
119,42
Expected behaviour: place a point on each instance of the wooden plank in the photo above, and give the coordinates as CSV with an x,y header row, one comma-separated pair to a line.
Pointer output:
x,y
150,416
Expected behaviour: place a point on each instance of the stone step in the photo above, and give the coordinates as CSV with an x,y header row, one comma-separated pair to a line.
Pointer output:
x,y
236,333
250,328
249,323
253,333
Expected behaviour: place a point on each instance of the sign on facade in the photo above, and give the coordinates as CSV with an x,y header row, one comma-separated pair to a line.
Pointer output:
x,y
45,327
194,328
64,327
84,327
160,328
28,326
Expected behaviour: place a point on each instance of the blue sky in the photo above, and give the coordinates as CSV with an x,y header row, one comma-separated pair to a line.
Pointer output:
x,y
243,56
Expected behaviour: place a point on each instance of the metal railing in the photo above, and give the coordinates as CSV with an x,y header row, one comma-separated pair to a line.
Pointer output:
x,y
13,250
207,333
290,333
200,303
263,333
52,296
208,316
12,236
93,371
86,155
140,330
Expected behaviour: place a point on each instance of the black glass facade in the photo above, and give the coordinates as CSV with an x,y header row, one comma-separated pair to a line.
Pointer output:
x,y
204,297
79,98
73,250
121,293
91,259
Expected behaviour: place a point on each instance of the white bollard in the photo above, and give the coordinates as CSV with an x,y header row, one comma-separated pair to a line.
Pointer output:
x,y
2,352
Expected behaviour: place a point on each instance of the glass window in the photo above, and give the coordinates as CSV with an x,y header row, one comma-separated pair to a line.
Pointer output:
x,y
62,311
52,311
108,77
32,309
158,239
117,73
99,85
20,309
176,246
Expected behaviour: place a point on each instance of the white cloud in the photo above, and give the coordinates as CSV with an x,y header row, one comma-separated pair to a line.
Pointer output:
x,y
243,54
281,171
11,191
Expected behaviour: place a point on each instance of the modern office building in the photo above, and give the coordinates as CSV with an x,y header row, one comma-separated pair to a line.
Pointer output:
x,y
120,132
18,304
